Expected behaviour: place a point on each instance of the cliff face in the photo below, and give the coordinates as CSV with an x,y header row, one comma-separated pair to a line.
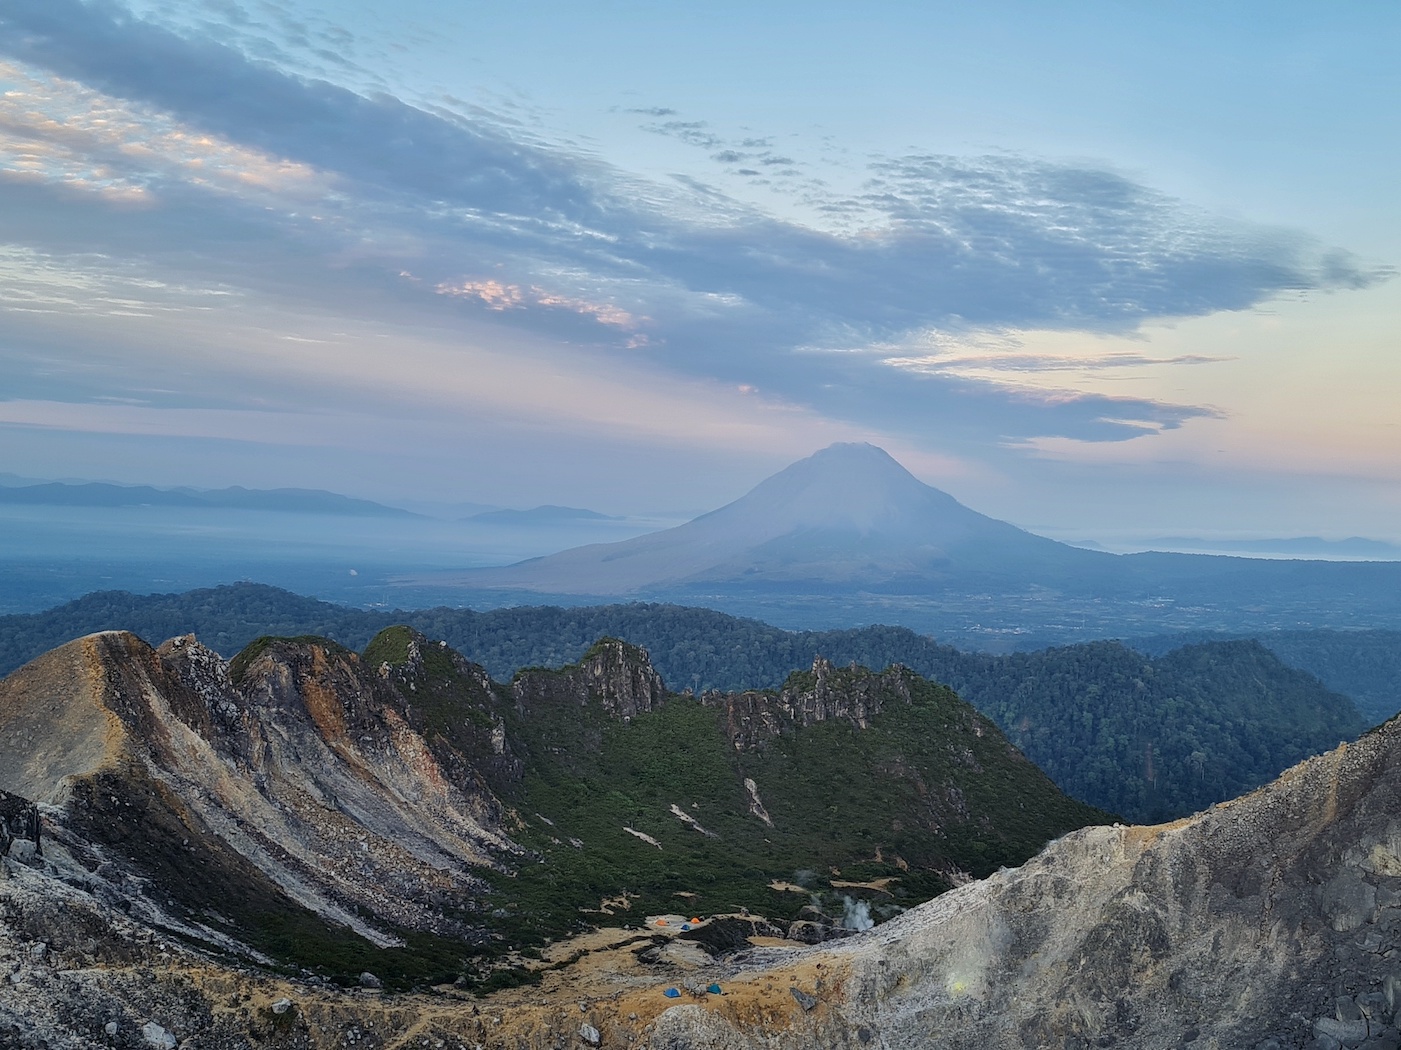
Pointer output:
x,y
1266,923
303,785
618,675
827,694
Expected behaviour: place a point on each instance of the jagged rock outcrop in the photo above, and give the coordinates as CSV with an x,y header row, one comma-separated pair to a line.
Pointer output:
x,y
622,676
826,694
19,827
618,675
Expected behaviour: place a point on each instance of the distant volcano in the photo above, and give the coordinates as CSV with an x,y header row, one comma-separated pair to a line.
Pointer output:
x,y
848,517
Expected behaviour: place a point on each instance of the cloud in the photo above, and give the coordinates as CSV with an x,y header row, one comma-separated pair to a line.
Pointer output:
x,y
271,428
500,297
254,176
1006,357
381,142
494,294
96,287
61,132
1037,363
692,132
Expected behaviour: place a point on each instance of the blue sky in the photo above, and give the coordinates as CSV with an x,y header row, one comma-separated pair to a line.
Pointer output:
x,y
1103,270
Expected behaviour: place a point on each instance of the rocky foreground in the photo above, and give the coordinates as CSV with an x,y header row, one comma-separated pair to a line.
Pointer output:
x,y
1270,921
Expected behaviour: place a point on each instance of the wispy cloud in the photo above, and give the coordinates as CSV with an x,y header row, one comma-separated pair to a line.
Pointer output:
x,y
58,131
1006,355
253,175
267,428
500,297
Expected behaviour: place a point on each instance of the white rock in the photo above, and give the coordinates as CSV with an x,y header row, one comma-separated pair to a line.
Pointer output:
x,y
158,1037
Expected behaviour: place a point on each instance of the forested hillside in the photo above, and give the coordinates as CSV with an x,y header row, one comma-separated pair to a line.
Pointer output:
x,y
1161,738
1145,737
1363,665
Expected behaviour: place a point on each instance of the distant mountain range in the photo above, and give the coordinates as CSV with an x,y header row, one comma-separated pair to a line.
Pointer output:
x,y
546,515
1296,547
843,538
104,494
18,491
1091,715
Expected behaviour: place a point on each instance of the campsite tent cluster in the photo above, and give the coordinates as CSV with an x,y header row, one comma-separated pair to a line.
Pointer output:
x,y
679,923
664,921
675,993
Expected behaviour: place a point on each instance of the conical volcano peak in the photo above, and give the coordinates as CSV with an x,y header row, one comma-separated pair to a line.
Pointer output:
x,y
852,456
848,517
854,450
848,485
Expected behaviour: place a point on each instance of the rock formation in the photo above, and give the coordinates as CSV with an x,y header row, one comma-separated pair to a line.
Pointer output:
x,y
618,674
1268,922
825,695
151,793
305,785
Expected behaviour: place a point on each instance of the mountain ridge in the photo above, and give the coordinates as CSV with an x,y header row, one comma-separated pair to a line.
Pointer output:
x,y
284,500
1093,711
1262,922
547,514
305,805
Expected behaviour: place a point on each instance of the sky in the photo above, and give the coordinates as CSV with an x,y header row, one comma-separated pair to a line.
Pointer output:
x,y
1104,270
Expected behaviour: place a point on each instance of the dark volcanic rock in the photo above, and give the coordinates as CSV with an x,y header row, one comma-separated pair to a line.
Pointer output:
x,y
824,695
617,675
19,823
